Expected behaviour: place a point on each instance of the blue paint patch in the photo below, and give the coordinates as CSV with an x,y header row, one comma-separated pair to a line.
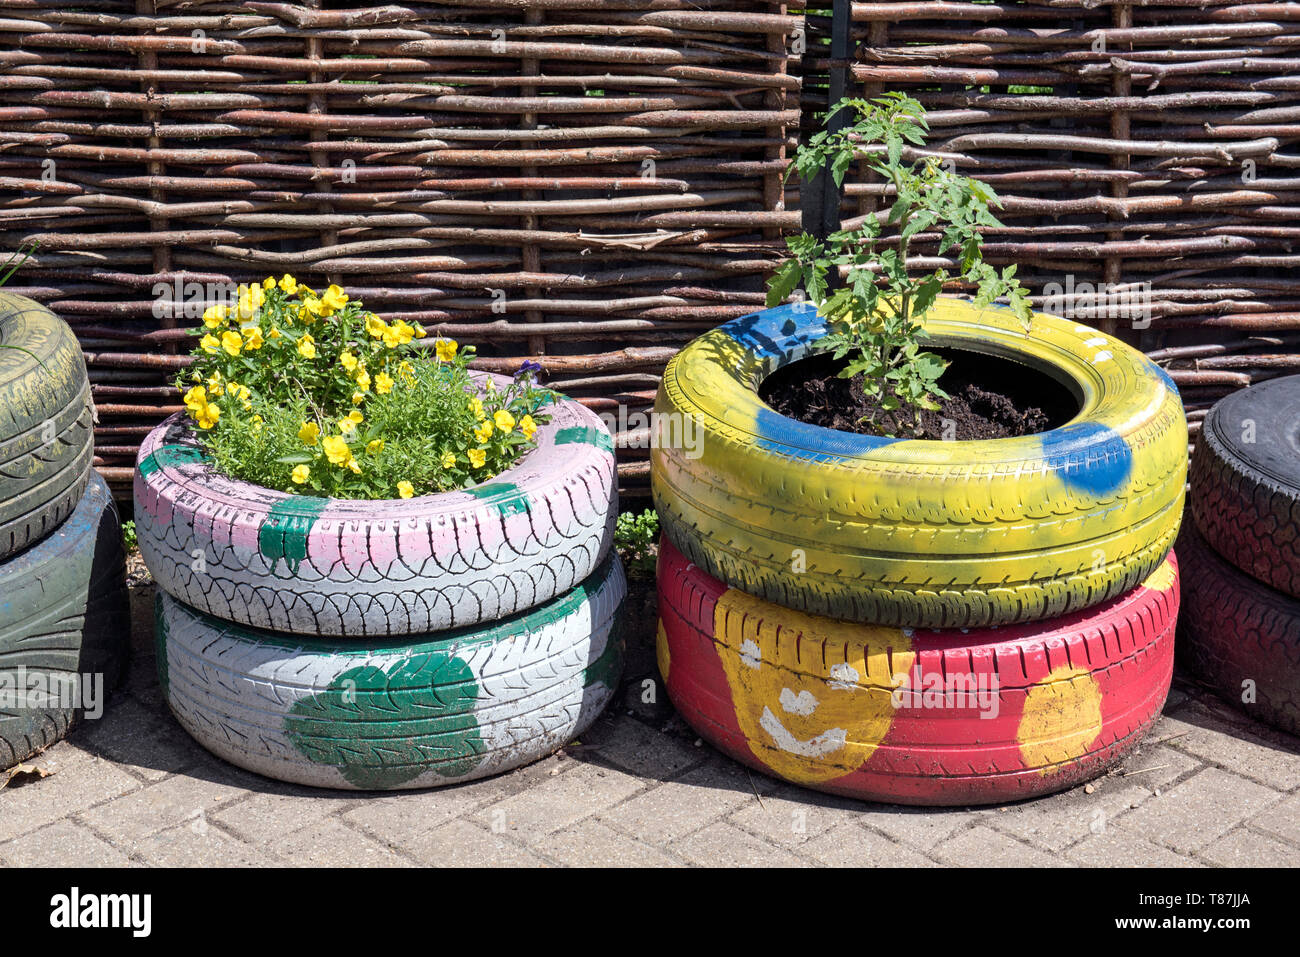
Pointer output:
x,y
1089,457
801,440
776,332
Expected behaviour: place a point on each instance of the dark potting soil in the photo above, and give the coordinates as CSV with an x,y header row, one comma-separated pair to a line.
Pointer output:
x,y
991,398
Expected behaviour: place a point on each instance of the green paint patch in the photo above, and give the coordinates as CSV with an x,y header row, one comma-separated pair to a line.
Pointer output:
x,y
167,456
506,496
284,533
606,669
382,727
587,435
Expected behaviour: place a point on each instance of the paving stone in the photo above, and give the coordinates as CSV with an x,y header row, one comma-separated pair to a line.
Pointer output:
x,y
1191,815
399,819
592,844
1116,848
919,827
675,808
559,801
79,781
849,844
1236,747
725,845
641,750
1281,820
200,844
1054,823
1245,848
790,816
178,800
262,818
462,843
331,843
982,846
64,844
1155,767
134,737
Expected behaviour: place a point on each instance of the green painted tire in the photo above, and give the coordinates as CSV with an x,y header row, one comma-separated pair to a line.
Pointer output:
x,y
46,423
64,615
395,713
919,533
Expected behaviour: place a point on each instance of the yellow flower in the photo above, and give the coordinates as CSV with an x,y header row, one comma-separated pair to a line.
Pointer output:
x,y
253,339
405,333
213,316
353,465
336,449
476,406
375,446
257,423
477,457
358,398
214,384
274,333
446,349
347,360
300,474
504,420
268,282
347,426
419,331
231,342
363,380
288,284
375,326
527,426
307,347
383,383
310,309
448,459
196,398
483,432
407,372
405,489
334,298
208,417
210,344
356,416
349,422
392,338
309,432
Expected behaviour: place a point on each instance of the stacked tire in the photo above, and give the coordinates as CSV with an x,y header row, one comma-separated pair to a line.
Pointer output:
x,y
386,644
1242,633
64,618
915,621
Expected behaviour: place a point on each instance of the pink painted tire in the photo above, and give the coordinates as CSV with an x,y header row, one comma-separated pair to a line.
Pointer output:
x,y
319,566
954,717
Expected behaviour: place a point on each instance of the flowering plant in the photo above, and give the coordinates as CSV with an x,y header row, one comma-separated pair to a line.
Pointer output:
x,y
308,392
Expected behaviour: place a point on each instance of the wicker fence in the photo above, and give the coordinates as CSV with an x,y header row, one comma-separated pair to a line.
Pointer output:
x,y
589,182
592,182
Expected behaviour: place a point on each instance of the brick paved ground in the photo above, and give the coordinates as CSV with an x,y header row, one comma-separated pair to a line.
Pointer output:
x,y
1207,788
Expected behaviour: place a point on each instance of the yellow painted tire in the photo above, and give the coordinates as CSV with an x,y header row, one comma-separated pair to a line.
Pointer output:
x,y
920,533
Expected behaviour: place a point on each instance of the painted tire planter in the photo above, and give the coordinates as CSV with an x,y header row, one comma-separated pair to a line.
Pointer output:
x,y
1240,636
64,614
46,416
825,704
428,710
378,568
914,532
1245,482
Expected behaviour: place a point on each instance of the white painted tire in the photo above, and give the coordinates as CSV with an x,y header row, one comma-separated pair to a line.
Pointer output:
x,y
422,712
318,566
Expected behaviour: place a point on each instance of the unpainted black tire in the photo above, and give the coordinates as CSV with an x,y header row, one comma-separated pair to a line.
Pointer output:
x,y
1245,482
46,423
63,613
1239,636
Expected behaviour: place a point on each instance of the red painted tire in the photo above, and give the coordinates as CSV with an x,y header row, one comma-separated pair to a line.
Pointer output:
x,y
1048,704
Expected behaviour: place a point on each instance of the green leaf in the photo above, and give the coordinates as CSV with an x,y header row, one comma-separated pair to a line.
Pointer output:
x,y
783,282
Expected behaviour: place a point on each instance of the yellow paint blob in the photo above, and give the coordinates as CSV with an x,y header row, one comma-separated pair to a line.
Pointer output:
x,y
1061,719
1162,579
812,695
662,654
